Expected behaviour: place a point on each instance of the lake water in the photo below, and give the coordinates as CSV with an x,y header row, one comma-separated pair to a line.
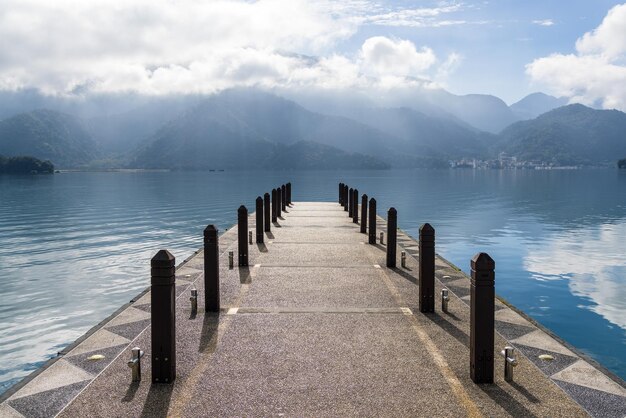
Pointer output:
x,y
76,246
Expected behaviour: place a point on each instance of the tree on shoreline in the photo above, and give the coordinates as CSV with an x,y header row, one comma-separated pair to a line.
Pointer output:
x,y
25,165
621,163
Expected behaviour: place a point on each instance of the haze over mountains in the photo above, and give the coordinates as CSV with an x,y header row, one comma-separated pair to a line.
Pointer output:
x,y
246,128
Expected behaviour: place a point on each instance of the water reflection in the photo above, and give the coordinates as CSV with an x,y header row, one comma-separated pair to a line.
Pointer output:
x,y
76,246
593,262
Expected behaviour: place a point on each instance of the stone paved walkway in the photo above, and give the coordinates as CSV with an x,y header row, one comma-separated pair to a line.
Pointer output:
x,y
317,326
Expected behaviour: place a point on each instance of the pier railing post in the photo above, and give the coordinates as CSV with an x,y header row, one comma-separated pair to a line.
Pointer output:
x,y
288,186
427,268
274,204
482,294
372,221
163,317
350,201
345,197
242,235
341,194
355,210
283,196
279,205
364,214
392,234
211,270
267,212
259,220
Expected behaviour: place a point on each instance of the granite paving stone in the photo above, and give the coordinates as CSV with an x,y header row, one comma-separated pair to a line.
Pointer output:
x,y
6,411
99,339
549,367
61,373
512,331
460,291
95,366
129,330
130,314
539,339
596,402
583,374
48,403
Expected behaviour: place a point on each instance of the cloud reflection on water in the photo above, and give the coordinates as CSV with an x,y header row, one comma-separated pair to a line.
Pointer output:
x,y
593,262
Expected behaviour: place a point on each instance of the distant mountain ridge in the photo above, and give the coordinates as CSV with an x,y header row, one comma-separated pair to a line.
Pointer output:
x,y
48,135
236,130
485,112
536,104
253,129
573,134
426,135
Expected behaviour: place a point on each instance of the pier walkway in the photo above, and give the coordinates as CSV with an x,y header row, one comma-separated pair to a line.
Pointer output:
x,y
317,326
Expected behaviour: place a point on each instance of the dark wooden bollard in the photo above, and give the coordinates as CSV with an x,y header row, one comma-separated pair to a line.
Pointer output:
x,y
341,194
279,205
427,268
211,270
350,202
242,235
482,293
355,210
345,197
364,214
392,235
283,196
274,204
163,317
288,187
372,221
266,212
259,220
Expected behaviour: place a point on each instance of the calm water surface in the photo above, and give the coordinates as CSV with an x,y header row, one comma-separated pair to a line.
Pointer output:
x,y
76,246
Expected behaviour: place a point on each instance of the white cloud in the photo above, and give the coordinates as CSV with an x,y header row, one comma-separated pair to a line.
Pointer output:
x,y
608,39
544,22
161,47
416,17
596,73
449,66
384,56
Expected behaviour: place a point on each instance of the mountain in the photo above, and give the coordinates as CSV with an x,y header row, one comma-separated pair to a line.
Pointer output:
x,y
244,128
252,130
484,112
573,134
427,135
192,143
47,135
196,142
306,155
118,133
473,111
283,121
257,120
536,104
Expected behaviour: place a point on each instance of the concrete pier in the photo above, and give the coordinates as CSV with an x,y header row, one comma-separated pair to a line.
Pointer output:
x,y
317,325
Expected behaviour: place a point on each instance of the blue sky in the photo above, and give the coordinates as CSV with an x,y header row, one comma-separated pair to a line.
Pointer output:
x,y
574,48
498,39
